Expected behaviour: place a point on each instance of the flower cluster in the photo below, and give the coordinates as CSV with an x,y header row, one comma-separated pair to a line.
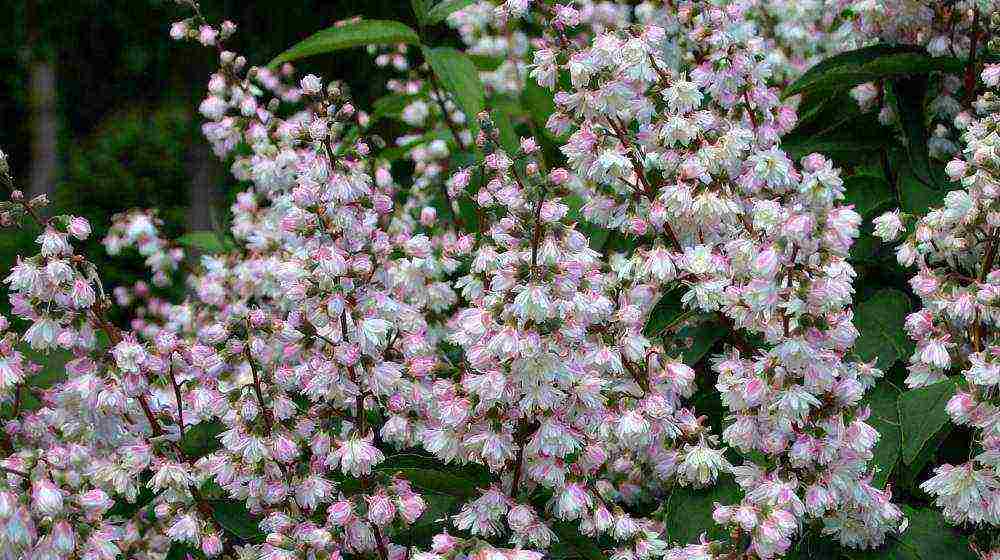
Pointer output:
x,y
364,330
954,249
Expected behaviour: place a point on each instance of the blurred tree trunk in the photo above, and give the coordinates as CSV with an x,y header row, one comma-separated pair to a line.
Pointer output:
x,y
202,188
42,107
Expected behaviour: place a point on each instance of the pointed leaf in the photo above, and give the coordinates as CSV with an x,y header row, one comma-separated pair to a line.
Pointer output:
x,y
460,78
868,194
910,93
573,545
880,321
234,517
868,64
928,537
443,9
922,414
201,439
883,401
688,511
205,241
666,311
357,33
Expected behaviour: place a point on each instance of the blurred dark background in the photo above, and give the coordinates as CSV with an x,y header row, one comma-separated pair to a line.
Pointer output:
x,y
98,106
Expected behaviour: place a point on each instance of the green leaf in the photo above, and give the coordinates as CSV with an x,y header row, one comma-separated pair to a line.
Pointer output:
x,y
909,475
883,401
180,551
922,414
868,193
667,310
487,63
234,517
910,93
701,338
538,102
502,119
390,106
347,35
868,64
205,241
928,537
880,321
430,522
688,511
572,544
420,9
444,8
838,129
437,481
127,510
915,196
460,78
201,439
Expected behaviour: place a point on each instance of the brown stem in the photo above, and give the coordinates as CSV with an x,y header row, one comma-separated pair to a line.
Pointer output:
x,y
177,395
444,111
753,116
536,236
523,430
650,193
970,69
256,389
458,140
383,551
15,472
153,423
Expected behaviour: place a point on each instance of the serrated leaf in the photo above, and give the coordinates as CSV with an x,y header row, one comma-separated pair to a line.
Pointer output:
x,y
688,511
841,131
460,78
928,537
201,439
868,194
883,401
443,9
234,517
348,35
880,322
868,64
922,414
573,545
205,241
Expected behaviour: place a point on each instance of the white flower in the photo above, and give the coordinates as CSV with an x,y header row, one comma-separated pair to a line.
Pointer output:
x,y
129,354
47,498
888,226
702,464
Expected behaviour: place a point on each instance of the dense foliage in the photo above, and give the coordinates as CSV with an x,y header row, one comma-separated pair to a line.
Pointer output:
x,y
681,280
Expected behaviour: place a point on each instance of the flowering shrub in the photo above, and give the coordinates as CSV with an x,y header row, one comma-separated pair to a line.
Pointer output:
x,y
584,289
